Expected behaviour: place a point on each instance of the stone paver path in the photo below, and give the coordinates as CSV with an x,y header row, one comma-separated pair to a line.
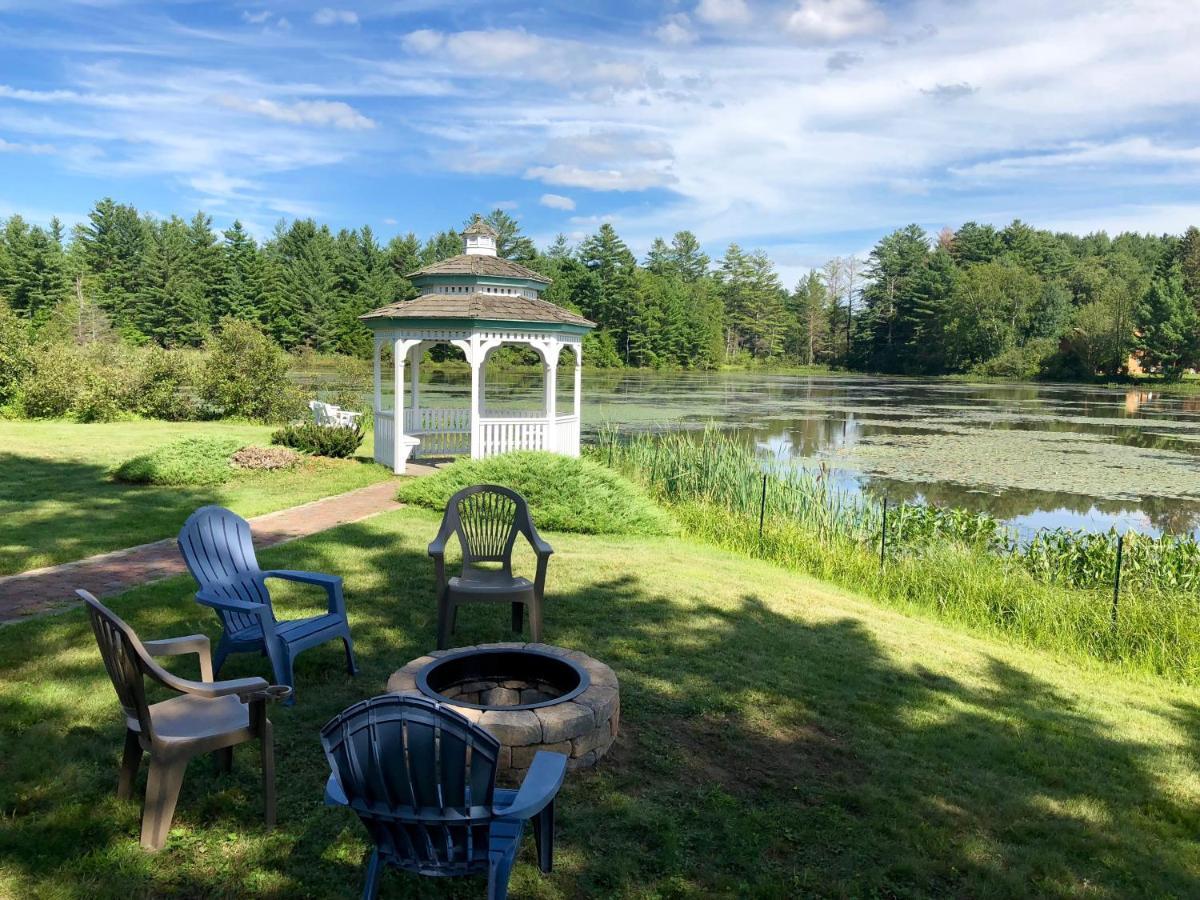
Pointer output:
x,y
44,590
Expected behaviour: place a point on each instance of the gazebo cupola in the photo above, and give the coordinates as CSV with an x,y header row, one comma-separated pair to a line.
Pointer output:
x,y
475,301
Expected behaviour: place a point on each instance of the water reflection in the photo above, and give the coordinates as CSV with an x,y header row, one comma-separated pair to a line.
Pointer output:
x,y
815,420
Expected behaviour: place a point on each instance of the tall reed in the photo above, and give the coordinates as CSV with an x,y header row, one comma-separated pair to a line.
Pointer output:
x,y
1055,590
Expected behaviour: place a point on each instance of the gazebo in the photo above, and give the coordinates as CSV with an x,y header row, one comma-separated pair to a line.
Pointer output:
x,y
475,301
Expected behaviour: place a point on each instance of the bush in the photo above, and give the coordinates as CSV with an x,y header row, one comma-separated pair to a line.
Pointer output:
x,y
246,375
190,461
15,353
564,494
1025,362
166,384
320,440
53,382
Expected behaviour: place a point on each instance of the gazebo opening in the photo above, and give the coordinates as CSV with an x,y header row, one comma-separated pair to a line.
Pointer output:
x,y
476,302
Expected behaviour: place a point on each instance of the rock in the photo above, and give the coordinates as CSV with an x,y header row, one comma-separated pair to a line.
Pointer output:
x,y
564,721
522,757
514,728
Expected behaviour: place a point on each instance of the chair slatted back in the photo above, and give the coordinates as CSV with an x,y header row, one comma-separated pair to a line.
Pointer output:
x,y
421,777
486,523
125,660
219,551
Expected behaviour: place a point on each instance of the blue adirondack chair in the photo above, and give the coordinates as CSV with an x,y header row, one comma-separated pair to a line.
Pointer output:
x,y
219,552
422,778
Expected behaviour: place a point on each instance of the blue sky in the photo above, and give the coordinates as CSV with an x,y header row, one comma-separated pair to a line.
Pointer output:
x,y
805,127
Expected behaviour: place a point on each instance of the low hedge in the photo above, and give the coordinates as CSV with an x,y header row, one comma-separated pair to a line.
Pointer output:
x,y
187,462
564,494
338,442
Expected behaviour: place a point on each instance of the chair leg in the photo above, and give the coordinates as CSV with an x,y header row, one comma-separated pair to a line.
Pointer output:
x,y
162,793
445,611
374,871
266,740
351,663
518,617
535,619
220,655
224,759
500,863
130,760
543,837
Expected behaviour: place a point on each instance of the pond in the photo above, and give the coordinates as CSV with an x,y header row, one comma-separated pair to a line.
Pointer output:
x,y
1035,455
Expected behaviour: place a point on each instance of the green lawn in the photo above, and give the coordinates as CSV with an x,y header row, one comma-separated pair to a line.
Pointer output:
x,y
57,503
780,738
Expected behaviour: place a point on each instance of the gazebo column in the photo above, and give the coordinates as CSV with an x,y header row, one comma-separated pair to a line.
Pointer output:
x,y
550,351
578,411
478,359
377,406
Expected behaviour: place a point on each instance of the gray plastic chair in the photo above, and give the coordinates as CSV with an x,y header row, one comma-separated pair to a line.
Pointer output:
x,y
487,519
422,779
207,716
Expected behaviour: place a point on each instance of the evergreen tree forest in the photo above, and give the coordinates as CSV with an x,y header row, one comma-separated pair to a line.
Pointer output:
x,y
1013,301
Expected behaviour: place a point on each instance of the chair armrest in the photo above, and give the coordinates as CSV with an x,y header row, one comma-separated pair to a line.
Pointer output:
x,y
192,643
540,547
331,583
206,597
303,577
334,794
243,687
539,788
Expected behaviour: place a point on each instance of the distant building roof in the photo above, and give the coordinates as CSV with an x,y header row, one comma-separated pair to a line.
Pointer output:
x,y
469,264
494,307
478,226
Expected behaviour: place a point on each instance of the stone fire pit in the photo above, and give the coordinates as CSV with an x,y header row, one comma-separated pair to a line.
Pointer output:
x,y
529,696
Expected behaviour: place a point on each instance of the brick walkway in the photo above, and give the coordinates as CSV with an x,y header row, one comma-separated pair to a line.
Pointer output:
x,y
44,590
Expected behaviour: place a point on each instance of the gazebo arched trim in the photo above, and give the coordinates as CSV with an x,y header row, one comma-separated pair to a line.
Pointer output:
x,y
443,430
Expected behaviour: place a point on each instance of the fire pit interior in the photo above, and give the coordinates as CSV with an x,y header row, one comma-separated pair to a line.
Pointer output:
x,y
509,679
531,697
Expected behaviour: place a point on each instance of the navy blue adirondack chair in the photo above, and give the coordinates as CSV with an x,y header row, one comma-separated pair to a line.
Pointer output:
x,y
219,552
422,778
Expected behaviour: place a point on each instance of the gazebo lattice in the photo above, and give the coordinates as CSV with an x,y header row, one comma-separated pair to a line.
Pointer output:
x,y
476,301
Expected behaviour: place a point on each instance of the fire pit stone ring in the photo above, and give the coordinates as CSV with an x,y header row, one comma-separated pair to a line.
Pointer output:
x,y
531,697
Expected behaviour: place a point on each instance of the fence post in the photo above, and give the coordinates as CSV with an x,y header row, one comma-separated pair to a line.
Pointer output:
x,y
762,507
883,536
1117,578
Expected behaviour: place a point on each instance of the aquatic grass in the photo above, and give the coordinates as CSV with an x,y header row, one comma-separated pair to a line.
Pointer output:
x,y
1055,591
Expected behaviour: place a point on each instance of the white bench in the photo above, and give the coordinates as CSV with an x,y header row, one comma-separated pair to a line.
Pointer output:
x,y
330,416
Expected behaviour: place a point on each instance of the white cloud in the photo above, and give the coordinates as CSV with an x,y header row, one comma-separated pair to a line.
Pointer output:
x,y
423,41
256,18
333,113
390,221
33,149
632,179
328,16
676,30
835,20
723,12
557,201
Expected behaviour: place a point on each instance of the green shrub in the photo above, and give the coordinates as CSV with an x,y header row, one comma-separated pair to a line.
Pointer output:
x,y
166,384
320,440
246,375
189,461
1025,362
102,396
52,383
15,353
564,494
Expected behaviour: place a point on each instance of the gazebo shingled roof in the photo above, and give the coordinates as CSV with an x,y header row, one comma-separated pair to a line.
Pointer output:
x,y
478,306
470,264
479,226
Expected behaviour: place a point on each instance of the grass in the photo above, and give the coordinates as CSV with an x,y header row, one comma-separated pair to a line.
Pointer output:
x,y
779,738
58,503
1054,593
564,494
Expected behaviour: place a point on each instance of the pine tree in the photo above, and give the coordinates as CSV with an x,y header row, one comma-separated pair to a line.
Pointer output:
x,y
1168,326
114,243
234,295
510,243
614,302
686,257
172,303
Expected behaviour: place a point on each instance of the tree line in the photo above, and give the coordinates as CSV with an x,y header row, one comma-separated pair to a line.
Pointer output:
x,y
1011,301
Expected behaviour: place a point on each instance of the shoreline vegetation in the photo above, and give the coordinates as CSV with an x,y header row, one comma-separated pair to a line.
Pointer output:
x,y
1063,591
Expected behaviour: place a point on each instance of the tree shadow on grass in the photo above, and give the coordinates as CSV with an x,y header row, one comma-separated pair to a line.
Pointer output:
x,y
762,752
